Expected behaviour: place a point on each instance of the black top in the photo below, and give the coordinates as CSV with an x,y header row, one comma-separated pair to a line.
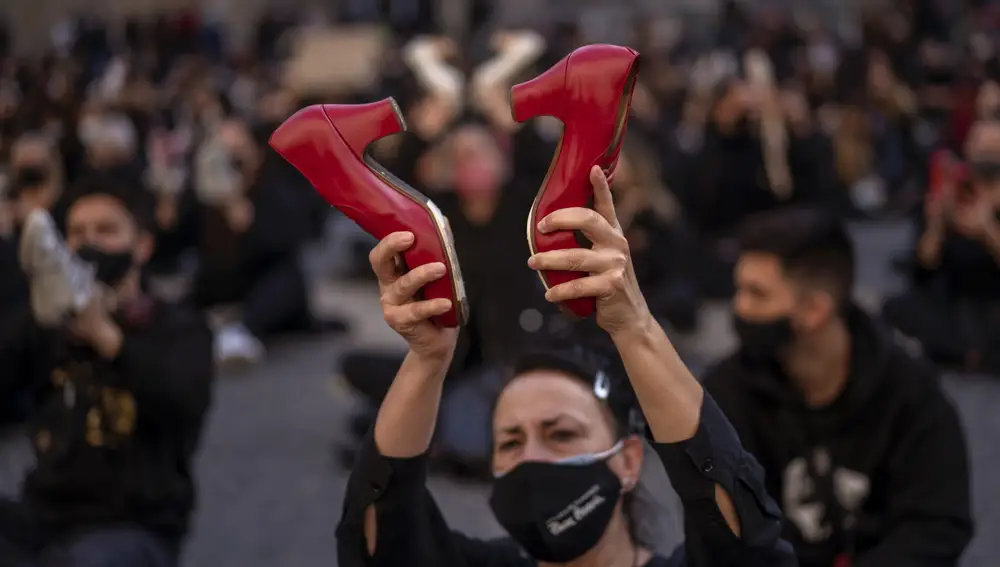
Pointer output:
x,y
114,439
412,531
881,473
970,269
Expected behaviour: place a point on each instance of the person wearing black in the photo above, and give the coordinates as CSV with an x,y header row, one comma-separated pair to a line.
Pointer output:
x,y
249,229
485,208
953,309
860,444
126,383
562,467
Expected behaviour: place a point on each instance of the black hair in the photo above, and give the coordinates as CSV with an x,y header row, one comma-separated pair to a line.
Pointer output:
x,y
603,375
133,196
812,245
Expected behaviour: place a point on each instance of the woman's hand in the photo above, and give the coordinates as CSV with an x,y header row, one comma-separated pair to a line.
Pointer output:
x,y
620,304
397,290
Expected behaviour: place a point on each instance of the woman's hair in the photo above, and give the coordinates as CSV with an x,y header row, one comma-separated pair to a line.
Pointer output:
x,y
601,369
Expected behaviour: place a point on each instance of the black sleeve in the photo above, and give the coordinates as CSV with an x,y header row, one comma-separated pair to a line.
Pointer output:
x,y
714,456
411,530
169,370
24,355
929,505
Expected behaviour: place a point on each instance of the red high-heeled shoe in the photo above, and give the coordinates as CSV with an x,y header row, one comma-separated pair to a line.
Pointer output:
x,y
327,144
590,92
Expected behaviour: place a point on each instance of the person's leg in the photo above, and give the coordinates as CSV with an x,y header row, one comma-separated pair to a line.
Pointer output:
x,y
277,299
370,372
464,435
123,546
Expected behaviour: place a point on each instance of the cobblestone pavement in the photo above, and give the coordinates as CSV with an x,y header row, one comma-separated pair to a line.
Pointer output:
x,y
270,486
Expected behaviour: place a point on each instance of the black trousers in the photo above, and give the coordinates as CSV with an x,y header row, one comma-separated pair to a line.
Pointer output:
x,y
24,543
274,298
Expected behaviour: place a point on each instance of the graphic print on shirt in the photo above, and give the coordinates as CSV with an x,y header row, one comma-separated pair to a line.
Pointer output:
x,y
801,504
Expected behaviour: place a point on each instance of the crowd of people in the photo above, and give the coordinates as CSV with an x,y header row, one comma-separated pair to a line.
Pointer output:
x,y
135,156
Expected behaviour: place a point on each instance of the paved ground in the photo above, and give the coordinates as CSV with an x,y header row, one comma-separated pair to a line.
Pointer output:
x,y
271,489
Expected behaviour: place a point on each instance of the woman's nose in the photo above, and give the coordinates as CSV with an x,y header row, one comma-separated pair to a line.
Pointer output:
x,y
536,451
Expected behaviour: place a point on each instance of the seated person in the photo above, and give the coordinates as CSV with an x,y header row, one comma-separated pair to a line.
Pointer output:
x,y
954,312
248,231
127,383
485,206
34,181
859,443
563,460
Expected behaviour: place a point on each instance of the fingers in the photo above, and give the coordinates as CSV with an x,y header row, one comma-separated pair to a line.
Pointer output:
x,y
579,260
603,203
403,316
407,285
599,286
383,256
592,224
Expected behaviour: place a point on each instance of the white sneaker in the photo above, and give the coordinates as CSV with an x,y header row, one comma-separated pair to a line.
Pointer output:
x,y
235,345
61,283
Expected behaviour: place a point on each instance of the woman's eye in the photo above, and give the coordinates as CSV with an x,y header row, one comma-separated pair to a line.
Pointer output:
x,y
509,445
564,435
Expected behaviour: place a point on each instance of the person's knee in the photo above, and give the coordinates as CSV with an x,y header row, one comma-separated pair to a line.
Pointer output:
x,y
125,547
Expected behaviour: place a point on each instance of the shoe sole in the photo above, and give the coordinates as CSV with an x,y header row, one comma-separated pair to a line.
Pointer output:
x,y
444,234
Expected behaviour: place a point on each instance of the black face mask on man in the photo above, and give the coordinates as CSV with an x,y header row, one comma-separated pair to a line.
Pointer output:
x,y
28,177
763,339
110,267
558,511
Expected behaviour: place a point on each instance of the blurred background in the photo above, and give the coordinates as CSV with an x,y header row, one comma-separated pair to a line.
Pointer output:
x,y
150,91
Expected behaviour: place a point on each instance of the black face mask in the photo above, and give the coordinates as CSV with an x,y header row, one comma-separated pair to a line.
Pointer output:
x,y
557,511
985,170
763,339
111,267
29,176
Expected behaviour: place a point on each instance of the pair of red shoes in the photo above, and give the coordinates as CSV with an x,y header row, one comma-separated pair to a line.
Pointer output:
x,y
589,91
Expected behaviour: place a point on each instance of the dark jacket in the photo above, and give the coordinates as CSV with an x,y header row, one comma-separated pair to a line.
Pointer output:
x,y
412,531
114,439
881,474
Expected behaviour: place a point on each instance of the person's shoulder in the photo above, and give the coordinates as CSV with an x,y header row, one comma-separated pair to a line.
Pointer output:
x,y
909,377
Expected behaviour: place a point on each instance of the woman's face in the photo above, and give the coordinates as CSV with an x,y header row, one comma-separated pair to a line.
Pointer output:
x,y
546,415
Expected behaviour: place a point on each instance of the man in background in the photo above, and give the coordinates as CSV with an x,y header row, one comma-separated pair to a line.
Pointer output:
x,y
861,446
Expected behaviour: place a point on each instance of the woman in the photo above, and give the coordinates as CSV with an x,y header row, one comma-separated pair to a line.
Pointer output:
x,y
561,470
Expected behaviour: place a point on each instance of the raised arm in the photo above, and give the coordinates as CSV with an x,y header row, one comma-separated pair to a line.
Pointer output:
x,y
729,518
389,517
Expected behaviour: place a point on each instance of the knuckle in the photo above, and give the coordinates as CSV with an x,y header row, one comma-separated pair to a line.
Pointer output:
x,y
391,318
618,279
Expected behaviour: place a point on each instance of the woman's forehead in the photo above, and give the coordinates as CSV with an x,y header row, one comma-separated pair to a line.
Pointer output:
x,y
540,395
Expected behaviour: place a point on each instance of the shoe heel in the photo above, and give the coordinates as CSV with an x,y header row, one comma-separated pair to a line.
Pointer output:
x,y
362,124
542,96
